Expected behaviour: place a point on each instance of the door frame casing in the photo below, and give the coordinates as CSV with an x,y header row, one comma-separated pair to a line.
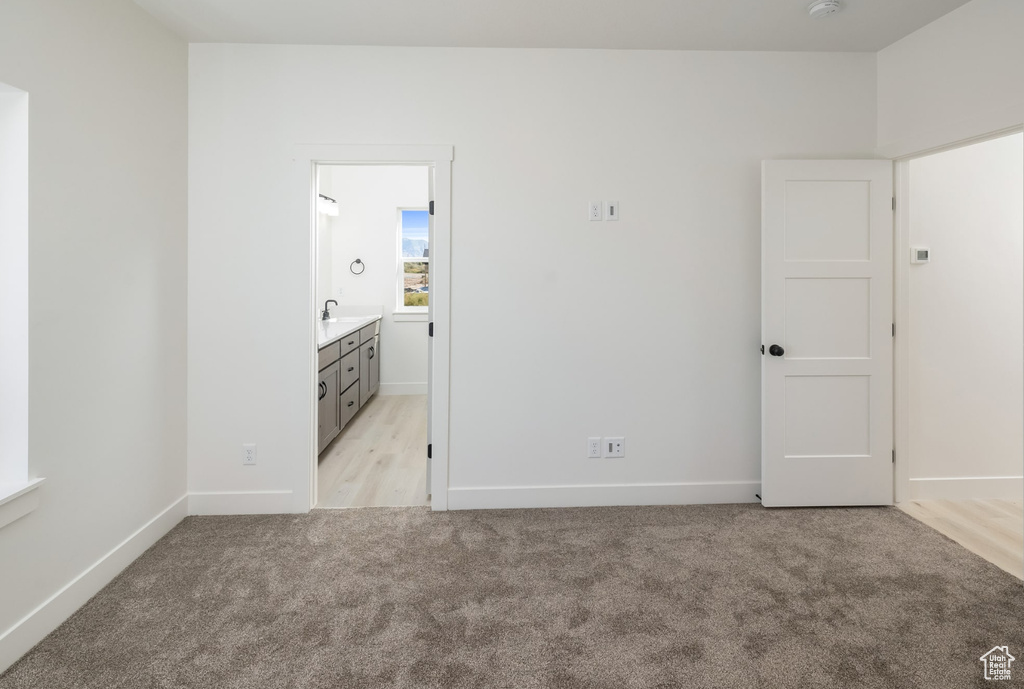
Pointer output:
x,y
304,159
901,305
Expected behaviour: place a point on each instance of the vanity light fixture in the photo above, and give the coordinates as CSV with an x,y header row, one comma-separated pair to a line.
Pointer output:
x,y
327,205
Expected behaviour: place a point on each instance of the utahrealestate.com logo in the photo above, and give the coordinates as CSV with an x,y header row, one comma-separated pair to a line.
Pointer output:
x,y
997,663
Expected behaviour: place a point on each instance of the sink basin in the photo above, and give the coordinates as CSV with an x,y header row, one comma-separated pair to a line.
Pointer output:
x,y
343,319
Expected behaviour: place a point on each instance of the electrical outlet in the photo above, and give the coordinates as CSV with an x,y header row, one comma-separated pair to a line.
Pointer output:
x,y
594,448
595,210
249,454
615,447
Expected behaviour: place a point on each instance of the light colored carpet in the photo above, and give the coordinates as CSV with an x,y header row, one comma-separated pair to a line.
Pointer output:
x,y
705,596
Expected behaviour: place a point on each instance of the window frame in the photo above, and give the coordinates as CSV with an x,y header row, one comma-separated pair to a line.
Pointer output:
x,y
17,488
400,307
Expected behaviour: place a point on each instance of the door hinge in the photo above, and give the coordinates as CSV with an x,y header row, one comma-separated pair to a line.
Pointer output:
x,y
432,207
430,329
894,203
894,456
430,451
894,330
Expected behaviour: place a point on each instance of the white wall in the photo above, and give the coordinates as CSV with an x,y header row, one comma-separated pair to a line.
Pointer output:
x,y
367,228
956,78
561,328
966,327
324,246
107,245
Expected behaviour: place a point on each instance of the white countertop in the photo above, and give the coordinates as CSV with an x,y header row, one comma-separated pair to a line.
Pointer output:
x,y
336,328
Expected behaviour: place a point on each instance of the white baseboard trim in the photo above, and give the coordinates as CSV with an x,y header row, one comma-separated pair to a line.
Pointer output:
x,y
403,389
600,496
241,502
32,628
968,488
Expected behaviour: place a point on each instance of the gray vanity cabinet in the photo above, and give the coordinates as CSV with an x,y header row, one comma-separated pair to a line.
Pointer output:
x,y
349,376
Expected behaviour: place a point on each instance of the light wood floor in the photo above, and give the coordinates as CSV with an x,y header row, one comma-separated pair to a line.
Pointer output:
x,y
380,458
993,529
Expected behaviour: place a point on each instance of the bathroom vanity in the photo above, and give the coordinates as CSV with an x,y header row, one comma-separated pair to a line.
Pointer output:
x,y
349,365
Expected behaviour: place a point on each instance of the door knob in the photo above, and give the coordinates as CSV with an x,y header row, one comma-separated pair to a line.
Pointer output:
x,y
776,350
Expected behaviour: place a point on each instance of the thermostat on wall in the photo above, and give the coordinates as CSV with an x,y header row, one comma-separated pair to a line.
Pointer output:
x,y
920,254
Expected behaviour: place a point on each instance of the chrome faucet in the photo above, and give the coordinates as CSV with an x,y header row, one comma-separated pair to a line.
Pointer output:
x,y
327,314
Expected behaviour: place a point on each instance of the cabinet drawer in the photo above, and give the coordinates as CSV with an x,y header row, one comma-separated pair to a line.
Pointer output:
x,y
349,369
369,332
349,404
328,355
349,342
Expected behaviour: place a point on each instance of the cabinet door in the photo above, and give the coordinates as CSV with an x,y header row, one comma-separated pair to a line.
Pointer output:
x,y
327,410
374,373
364,365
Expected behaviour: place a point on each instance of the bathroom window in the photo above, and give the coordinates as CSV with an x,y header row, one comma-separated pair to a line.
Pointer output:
x,y
413,259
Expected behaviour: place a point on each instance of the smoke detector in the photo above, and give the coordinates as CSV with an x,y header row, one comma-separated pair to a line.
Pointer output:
x,y
823,8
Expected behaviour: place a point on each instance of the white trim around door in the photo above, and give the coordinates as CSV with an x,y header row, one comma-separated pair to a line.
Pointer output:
x,y
302,199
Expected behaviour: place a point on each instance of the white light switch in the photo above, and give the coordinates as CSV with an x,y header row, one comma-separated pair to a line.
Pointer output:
x,y
614,447
611,210
595,210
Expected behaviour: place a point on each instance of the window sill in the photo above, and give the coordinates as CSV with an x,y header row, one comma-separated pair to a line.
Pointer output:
x,y
17,500
401,316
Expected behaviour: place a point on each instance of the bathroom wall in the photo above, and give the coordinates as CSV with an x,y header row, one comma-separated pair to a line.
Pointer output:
x,y
325,245
367,228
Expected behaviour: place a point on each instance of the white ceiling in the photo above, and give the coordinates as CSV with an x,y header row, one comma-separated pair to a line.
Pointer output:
x,y
862,25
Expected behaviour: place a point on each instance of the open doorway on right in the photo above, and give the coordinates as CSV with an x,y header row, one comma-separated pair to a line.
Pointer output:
x,y
964,324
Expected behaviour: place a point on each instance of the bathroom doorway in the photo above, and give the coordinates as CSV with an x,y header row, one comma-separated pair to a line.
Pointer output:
x,y
373,292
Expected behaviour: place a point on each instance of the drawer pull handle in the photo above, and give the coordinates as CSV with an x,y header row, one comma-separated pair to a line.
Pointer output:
x,y
351,403
351,368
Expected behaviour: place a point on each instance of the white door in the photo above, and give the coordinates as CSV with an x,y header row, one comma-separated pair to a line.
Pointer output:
x,y
430,325
826,327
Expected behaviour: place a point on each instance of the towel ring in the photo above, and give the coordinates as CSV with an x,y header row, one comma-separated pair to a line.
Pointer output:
x,y
352,267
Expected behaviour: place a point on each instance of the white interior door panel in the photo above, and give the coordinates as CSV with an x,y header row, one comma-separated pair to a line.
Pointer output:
x,y
827,332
